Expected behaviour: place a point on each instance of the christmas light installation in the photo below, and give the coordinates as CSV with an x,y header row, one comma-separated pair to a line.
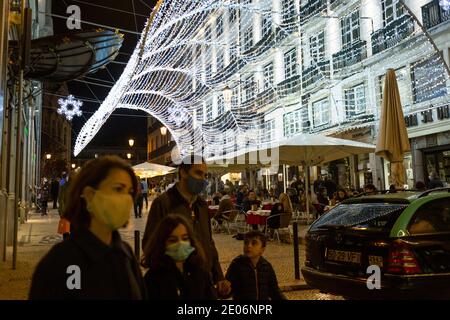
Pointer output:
x,y
70,107
445,4
275,73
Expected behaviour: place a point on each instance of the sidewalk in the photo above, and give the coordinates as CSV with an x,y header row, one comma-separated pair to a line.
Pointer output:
x,y
39,234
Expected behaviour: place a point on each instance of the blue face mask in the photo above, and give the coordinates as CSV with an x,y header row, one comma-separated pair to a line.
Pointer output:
x,y
196,186
180,251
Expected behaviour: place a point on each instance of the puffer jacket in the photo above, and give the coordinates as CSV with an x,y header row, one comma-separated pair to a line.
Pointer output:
x,y
250,283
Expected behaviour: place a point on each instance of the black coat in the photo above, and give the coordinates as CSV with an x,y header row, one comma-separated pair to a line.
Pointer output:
x,y
173,202
106,272
250,283
167,283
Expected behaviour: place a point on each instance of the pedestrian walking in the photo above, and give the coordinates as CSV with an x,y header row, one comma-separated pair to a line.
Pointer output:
x,y
184,199
94,263
176,262
54,190
44,195
252,277
139,200
144,185
434,182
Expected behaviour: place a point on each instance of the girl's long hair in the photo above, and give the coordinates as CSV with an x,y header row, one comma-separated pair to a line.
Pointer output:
x,y
154,253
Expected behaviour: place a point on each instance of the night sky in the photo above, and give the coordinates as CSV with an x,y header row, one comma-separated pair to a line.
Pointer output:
x,y
118,129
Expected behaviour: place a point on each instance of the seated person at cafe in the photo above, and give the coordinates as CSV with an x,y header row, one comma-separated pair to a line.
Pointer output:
x,y
284,206
225,206
216,198
250,201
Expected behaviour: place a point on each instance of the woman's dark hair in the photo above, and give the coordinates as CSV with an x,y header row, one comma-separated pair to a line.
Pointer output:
x,y
339,197
154,253
91,174
420,185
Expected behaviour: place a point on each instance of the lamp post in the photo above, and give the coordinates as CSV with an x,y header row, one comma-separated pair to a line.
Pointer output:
x,y
128,156
48,156
131,142
163,131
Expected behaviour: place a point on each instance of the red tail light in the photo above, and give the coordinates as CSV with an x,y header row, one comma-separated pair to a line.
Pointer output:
x,y
402,260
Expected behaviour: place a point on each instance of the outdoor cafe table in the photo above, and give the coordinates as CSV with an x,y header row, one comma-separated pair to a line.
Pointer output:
x,y
212,210
268,205
258,217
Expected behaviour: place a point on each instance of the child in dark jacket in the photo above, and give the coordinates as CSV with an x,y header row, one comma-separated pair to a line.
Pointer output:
x,y
176,262
252,277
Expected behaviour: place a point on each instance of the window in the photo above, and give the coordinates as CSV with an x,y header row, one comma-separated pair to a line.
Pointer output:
x,y
220,105
355,100
350,29
290,63
292,123
392,9
233,15
266,25
248,38
268,76
317,47
209,109
219,26
249,88
321,112
428,79
208,72
208,34
432,217
268,131
288,8
235,97
220,62
234,51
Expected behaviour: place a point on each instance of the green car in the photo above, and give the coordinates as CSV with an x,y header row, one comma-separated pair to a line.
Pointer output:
x,y
390,246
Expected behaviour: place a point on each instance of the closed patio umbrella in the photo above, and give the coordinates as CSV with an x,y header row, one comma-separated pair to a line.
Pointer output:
x,y
393,140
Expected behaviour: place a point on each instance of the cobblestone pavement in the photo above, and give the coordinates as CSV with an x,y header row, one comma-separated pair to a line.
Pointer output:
x,y
39,234
310,295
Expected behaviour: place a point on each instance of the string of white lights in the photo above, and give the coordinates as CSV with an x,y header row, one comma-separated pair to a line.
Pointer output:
x,y
273,59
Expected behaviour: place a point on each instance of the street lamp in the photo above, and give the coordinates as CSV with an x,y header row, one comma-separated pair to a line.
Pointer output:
x,y
48,156
129,155
73,165
227,95
163,130
131,142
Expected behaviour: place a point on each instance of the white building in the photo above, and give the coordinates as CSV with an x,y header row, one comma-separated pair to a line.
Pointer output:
x,y
318,66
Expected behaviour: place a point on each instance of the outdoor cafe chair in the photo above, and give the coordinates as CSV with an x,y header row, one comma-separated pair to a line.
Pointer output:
x,y
285,221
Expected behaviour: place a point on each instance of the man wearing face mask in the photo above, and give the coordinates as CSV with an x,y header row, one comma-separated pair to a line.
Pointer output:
x,y
184,199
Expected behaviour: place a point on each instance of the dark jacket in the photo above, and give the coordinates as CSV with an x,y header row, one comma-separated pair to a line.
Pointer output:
x,y
167,283
106,272
250,283
54,188
247,205
172,201
435,183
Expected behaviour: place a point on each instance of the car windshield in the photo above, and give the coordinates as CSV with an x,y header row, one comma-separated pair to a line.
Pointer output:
x,y
373,216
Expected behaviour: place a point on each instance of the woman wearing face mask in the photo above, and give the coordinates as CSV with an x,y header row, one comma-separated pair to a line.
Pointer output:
x,y
176,262
94,263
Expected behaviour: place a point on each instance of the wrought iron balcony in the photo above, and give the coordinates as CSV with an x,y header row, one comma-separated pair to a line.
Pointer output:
x,y
315,73
310,9
289,86
351,54
433,14
392,34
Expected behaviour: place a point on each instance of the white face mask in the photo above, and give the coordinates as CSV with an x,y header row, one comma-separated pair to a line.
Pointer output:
x,y
112,210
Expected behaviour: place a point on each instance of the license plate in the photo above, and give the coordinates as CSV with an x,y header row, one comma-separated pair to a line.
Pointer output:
x,y
343,256
376,260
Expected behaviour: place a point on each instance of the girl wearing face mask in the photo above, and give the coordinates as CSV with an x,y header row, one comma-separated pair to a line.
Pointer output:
x,y
94,263
176,262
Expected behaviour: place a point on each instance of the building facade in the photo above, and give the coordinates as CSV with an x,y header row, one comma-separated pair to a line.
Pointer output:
x,y
318,66
159,143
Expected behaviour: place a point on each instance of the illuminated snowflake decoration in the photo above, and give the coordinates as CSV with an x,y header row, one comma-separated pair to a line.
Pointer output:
x,y
70,107
445,4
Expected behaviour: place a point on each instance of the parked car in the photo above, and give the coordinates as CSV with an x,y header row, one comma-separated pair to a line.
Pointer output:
x,y
406,234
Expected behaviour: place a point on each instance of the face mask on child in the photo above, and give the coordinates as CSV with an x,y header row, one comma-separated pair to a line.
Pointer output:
x,y
112,210
179,251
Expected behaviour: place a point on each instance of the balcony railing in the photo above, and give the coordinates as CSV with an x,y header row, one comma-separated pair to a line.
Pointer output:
x,y
310,9
433,14
162,150
392,34
266,97
315,73
353,53
289,86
